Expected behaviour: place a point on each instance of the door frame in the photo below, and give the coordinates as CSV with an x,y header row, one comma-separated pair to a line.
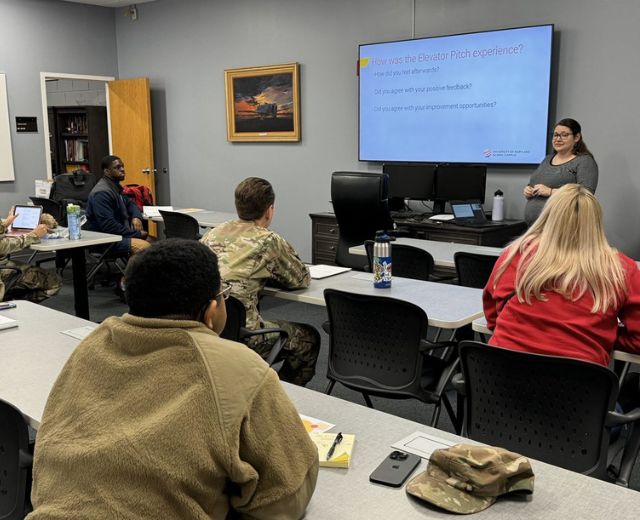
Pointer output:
x,y
45,113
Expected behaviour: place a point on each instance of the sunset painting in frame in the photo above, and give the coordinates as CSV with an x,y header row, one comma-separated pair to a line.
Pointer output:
x,y
263,103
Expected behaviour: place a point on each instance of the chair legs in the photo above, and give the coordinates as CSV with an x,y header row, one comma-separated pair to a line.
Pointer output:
x,y
330,386
367,400
629,456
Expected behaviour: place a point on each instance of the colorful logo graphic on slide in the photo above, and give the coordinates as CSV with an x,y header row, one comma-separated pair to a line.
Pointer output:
x,y
364,62
487,152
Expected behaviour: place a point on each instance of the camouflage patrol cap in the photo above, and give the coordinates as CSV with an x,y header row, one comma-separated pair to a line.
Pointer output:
x,y
467,479
48,221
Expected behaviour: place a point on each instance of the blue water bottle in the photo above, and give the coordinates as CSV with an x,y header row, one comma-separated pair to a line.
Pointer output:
x,y
382,261
73,221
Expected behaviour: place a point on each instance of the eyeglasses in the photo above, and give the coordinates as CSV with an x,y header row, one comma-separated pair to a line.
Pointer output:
x,y
225,292
562,136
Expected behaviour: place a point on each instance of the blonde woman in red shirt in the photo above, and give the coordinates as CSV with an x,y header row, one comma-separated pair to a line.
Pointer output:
x,y
560,288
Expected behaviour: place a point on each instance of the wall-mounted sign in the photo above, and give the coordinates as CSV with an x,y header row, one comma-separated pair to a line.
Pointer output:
x,y
26,124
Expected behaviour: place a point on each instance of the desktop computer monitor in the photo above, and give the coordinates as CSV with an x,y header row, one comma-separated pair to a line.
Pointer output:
x,y
459,182
409,181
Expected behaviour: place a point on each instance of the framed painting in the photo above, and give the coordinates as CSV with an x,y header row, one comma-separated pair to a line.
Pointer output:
x,y
263,103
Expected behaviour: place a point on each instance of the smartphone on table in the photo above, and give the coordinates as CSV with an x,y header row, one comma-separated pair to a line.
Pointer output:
x,y
395,469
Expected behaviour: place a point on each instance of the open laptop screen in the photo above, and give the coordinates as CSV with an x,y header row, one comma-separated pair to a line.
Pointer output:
x,y
27,217
462,210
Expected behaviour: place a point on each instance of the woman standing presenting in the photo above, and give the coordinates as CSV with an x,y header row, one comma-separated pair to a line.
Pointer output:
x,y
571,162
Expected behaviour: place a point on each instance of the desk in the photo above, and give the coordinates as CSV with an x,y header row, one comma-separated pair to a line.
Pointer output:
x,y
348,494
447,306
205,218
79,262
34,353
442,252
325,234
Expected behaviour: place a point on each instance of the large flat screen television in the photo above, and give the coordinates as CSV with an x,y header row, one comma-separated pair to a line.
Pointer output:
x,y
469,98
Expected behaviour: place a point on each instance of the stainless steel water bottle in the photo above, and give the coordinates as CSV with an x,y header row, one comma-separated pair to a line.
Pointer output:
x,y
382,261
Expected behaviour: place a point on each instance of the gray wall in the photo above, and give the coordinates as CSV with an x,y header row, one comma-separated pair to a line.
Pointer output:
x,y
46,36
185,46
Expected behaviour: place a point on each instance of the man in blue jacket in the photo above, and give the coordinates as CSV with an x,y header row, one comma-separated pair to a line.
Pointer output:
x,y
110,211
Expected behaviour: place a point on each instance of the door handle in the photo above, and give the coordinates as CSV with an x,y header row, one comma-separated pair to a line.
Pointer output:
x,y
149,170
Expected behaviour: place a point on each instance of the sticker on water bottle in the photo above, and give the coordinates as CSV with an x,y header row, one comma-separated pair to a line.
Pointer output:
x,y
382,272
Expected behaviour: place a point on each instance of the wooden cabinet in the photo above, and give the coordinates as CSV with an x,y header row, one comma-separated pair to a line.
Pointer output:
x,y
325,233
79,138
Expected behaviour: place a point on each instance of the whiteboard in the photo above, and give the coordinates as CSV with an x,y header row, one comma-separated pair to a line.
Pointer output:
x,y
6,156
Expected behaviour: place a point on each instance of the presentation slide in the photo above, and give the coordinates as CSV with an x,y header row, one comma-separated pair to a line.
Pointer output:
x,y
470,98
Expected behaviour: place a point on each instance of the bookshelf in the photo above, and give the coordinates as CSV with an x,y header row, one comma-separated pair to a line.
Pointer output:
x,y
81,138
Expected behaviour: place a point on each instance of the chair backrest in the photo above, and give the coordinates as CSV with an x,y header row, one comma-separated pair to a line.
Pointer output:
x,y
73,187
473,269
361,208
236,319
406,261
52,207
550,408
15,463
180,225
374,343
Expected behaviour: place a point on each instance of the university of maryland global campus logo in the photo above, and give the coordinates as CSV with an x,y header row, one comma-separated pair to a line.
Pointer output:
x,y
487,152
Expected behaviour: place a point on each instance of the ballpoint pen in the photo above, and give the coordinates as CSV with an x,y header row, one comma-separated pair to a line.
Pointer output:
x,y
336,441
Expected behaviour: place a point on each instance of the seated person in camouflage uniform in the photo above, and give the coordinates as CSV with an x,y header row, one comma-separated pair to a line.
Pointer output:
x,y
35,284
250,255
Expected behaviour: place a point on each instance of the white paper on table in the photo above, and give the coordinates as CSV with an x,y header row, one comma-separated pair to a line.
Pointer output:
x,y
80,332
313,425
422,444
442,216
364,276
154,211
324,271
7,323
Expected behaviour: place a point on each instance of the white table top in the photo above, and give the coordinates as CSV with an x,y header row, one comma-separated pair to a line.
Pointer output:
x,y
87,239
442,252
205,217
349,494
447,306
33,354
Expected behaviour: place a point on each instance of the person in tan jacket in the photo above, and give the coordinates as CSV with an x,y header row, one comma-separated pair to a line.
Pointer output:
x,y
155,416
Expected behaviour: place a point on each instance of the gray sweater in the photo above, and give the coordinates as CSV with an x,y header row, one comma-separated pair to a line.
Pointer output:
x,y
582,169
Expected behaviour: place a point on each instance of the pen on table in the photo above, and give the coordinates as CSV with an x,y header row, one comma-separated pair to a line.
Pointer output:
x,y
5,306
336,441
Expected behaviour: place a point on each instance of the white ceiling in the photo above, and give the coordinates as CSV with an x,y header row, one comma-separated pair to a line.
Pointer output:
x,y
110,3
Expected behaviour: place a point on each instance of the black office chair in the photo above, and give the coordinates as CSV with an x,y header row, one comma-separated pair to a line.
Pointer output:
x,y
235,329
407,261
55,209
553,409
377,347
102,257
361,208
16,460
180,225
73,188
473,269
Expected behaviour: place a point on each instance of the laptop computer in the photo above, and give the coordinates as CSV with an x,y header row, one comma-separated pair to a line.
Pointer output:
x,y
27,218
470,213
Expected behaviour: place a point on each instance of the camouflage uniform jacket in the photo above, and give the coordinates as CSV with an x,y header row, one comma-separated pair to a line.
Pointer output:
x,y
249,256
10,245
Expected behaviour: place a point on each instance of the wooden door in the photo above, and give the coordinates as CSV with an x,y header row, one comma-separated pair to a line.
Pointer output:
x,y
130,126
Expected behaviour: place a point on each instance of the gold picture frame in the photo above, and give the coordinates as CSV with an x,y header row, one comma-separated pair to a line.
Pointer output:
x,y
263,103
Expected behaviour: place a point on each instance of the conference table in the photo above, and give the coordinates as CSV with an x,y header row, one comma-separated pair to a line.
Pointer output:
x,y
34,353
442,252
447,306
78,262
206,218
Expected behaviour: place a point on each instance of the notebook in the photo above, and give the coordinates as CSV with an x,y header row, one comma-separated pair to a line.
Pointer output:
x,y
470,213
27,218
341,457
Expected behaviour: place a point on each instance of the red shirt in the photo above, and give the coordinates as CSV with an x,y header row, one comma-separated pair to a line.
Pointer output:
x,y
561,327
